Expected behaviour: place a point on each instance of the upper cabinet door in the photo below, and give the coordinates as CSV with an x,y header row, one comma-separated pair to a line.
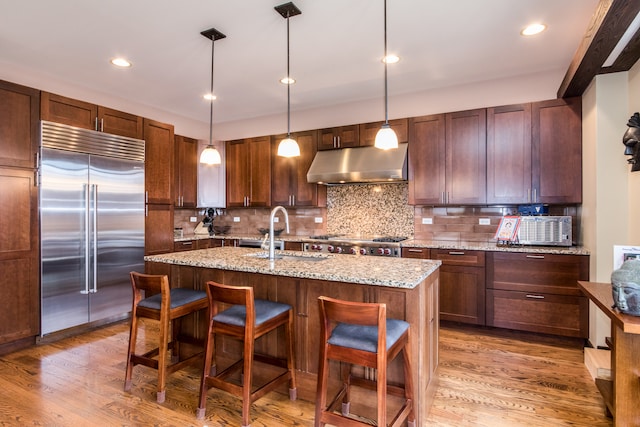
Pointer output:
x,y
158,163
557,151
19,122
68,111
339,137
248,172
466,164
186,172
119,123
509,154
260,171
427,146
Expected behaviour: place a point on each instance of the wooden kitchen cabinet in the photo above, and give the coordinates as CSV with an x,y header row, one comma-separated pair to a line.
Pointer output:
x,y
557,151
537,293
447,159
289,186
420,253
509,154
339,137
73,112
368,131
248,172
158,163
19,259
462,285
186,172
158,219
19,127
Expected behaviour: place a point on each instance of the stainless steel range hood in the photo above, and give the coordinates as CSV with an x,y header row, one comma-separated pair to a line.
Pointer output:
x,y
359,165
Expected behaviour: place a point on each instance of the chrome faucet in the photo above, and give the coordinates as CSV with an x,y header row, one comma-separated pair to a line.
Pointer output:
x,y
272,255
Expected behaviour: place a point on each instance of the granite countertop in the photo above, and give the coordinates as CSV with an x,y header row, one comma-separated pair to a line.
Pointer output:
x,y
380,271
432,244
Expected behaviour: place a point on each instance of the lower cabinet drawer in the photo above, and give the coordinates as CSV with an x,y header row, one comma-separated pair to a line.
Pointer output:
x,y
564,315
185,245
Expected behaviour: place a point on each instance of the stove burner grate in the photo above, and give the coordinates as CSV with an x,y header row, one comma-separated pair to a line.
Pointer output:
x,y
393,239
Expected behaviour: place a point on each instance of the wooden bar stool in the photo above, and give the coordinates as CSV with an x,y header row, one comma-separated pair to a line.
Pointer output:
x,y
247,320
167,306
360,333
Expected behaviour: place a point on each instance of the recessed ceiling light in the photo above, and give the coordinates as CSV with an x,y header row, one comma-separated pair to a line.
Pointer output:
x,y
121,62
533,29
391,59
287,81
209,97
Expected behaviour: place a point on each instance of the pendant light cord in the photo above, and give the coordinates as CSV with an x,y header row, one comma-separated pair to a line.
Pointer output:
x,y
386,94
288,85
213,43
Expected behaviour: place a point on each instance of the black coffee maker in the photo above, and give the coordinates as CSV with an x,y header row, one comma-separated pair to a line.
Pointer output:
x,y
210,214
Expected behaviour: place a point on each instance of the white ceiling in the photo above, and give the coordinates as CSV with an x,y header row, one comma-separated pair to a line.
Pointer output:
x,y
336,46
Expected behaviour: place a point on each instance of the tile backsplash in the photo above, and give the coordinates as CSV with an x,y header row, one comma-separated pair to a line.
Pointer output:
x,y
373,209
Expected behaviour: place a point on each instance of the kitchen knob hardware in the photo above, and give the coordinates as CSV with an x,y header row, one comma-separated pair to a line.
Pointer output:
x,y
535,296
363,251
353,251
535,256
456,253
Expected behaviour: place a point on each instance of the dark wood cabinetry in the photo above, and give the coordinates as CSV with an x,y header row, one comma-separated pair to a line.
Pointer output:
x,y
68,111
19,130
368,131
159,176
289,186
447,158
339,137
248,172
537,293
186,172
509,154
557,151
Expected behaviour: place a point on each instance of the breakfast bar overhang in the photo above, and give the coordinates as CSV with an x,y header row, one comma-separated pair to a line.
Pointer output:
x,y
409,287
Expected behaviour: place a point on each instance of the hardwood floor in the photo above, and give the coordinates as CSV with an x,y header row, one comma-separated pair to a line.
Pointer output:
x,y
488,377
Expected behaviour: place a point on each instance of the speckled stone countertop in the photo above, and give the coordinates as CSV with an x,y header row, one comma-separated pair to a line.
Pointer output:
x,y
480,246
380,271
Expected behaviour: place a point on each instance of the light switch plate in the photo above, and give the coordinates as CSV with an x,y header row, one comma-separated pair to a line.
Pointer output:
x,y
427,220
193,219
276,219
318,220
484,221
236,219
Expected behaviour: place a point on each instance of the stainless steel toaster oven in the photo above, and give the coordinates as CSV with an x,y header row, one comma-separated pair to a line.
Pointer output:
x,y
545,231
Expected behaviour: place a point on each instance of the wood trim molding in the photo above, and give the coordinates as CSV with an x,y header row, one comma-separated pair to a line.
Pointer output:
x,y
609,22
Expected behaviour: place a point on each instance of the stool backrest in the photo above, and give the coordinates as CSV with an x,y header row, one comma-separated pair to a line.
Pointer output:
x,y
151,284
232,295
334,311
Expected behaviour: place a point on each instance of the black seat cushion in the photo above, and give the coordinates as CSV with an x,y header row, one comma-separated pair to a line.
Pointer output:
x,y
236,315
179,297
365,338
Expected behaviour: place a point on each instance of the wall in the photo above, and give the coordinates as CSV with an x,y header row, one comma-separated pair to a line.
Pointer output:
x,y
633,188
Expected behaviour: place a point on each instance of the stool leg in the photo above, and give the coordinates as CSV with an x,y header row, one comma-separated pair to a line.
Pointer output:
x,y
321,391
408,383
293,391
175,343
162,358
133,334
207,370
382,390
246,379
346,384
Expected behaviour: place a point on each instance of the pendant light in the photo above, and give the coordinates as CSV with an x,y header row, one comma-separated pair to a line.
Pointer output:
x,y
386,138
210,155
288,147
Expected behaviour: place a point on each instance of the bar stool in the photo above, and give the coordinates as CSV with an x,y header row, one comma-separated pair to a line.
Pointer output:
x,y
247,320
360,333
167,306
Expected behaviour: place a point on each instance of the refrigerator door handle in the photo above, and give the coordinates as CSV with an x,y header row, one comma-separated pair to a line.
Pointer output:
x,y
94,263
87,249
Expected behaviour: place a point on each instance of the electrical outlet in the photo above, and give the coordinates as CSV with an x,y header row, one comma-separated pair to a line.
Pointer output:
x,y
318,220
427,220
236,219
276,219
193,219
484,221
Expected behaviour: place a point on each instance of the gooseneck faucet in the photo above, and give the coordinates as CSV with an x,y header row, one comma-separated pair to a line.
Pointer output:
x,y
272,255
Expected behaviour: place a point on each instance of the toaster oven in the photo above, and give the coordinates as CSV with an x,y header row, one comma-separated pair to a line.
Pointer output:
x,y
545,231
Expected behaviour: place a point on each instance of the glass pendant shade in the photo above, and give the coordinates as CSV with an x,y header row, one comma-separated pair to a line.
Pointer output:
x,y
210,156
386,138
288,148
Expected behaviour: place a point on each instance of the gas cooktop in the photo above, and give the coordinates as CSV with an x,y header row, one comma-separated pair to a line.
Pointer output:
x,y
361,239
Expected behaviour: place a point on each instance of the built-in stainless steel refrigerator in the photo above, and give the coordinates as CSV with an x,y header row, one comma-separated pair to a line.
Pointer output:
x,y
92,225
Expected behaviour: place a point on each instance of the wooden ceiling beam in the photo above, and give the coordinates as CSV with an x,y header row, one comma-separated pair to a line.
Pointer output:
x,y
609,22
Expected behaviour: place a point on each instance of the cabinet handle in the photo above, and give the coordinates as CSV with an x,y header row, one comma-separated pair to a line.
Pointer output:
x,y
36,160
414,250
146,197
529,195
95,124
187,243
535,195
293,198
146,210
102,125
442,198
455,253
535,256
535,296
302,315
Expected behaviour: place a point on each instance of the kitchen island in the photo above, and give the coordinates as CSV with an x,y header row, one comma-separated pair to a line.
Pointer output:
x,y
409,287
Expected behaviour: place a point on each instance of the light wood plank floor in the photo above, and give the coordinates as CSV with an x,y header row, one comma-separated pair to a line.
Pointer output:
x,y
487,378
